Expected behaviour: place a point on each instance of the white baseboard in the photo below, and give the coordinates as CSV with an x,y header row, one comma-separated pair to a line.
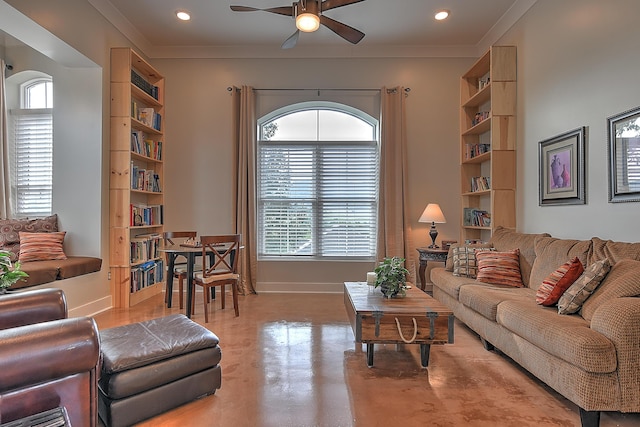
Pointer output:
x,y
92,308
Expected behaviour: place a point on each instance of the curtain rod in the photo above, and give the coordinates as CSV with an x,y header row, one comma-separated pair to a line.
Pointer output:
x,y
407,90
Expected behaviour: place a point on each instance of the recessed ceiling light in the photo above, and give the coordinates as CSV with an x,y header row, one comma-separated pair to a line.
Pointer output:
x,y
183,15
441,15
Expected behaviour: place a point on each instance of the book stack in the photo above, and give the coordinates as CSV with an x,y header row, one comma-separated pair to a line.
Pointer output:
x,y
480,183
145,146
145,179
147,274
144,85
149,117
145,247
141,215
474,150
476,218
480,117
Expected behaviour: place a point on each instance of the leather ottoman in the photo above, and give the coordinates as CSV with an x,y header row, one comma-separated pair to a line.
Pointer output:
x,y
153,366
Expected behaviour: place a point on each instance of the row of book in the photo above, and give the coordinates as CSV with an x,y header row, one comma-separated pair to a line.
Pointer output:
x,y
144,85
476,218
480,183
147,116
147,274
141,215
145,146
480,117
474,150
145,179
145,247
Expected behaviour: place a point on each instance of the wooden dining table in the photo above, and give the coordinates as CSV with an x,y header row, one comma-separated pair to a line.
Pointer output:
x,y
172,252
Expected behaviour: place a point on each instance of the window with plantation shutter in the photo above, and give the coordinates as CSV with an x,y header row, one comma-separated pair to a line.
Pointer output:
x,y
31,150
318,184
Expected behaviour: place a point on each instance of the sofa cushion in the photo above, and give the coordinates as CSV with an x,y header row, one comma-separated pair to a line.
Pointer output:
x,y
613,251
77,266
449,264
505,239
554,285
448,283
465,263
622,281
484,299
550,251
9,229
41,246
573,298
568,337
499,268
39,272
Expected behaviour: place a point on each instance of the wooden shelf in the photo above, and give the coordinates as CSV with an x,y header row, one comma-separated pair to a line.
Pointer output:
x,y
124,93
495,72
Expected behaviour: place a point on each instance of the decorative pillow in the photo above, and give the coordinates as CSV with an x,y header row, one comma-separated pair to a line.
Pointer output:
x,y
449,264
464,260
41,246
573,298
9,229
558,281
499,268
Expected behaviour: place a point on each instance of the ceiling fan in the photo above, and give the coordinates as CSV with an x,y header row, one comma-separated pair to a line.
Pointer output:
x,y
309,15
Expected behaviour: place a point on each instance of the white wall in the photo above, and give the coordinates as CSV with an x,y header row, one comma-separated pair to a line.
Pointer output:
x,y
578,63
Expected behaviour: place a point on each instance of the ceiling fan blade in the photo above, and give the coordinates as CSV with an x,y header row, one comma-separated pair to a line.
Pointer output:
x,y
348,33
291,41
332,4
284,10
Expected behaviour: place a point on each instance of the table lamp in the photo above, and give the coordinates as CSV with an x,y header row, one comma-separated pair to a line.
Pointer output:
x,y
432,213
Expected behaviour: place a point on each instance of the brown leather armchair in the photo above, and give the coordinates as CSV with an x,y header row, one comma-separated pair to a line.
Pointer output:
x,y
47,360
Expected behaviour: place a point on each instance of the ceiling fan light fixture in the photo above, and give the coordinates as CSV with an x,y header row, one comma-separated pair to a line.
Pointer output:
x,y
441,15
307,22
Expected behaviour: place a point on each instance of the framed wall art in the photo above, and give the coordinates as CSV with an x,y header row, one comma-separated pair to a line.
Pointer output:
x,y
562,169
624,156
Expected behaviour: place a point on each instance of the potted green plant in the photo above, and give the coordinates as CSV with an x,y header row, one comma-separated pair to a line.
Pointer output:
x,y
9,274
391,277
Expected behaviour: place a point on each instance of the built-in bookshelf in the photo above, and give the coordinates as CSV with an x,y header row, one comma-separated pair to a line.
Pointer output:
x,y
136,180
488,144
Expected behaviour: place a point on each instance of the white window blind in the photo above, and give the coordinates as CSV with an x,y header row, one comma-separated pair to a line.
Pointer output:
x,y
31,171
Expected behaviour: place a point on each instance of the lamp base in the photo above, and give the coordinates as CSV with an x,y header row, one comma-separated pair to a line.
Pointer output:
x,y
433,232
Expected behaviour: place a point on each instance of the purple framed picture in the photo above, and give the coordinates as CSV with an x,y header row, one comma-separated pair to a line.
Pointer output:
x,y
562,169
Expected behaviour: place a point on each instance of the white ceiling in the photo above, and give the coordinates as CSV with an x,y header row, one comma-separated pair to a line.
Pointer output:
x,y
400,27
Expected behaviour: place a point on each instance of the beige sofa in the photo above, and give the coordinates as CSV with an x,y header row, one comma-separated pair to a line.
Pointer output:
x,y
591,357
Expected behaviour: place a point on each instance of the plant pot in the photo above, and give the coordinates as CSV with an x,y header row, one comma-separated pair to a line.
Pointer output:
x,y
390,291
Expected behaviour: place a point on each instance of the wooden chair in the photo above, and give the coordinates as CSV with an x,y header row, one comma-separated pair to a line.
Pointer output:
x,y
179,269
221,271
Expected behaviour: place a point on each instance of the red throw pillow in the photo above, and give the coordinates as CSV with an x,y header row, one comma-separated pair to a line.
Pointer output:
x,y
499,268
556,283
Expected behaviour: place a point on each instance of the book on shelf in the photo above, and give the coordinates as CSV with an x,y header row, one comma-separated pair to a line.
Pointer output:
x,y
147,274
145,146
480,117
473,217
142,215
144,85
145,247
480,183
144,179
474,150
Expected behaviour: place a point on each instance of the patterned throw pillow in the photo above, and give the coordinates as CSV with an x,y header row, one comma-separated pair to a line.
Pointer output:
x,y
573,298
499,268
41,246
449,264
464,260
558,281
9,229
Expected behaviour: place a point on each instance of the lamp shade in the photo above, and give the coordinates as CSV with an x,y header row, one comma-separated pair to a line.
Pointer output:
x,y
432,213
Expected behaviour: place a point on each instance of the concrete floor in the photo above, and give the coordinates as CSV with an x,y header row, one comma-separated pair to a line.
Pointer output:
x,y
291,360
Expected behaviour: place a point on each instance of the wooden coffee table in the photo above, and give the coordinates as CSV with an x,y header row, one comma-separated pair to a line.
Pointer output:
x,y
415,319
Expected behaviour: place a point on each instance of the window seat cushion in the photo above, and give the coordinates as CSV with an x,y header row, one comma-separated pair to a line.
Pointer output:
x,y
41,272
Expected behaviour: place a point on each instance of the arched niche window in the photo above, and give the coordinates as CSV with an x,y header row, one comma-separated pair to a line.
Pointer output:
x,y
317,182
31,147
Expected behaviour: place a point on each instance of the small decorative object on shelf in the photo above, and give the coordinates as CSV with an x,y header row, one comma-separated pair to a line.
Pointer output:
x,y
9,274
391,277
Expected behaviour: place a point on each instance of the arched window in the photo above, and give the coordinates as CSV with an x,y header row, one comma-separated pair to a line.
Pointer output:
x,y
31,142
317,182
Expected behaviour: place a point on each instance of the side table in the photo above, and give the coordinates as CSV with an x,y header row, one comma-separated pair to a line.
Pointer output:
x,y
430,254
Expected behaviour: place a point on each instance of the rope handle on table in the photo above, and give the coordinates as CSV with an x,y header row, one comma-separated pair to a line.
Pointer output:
x,y
415,331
